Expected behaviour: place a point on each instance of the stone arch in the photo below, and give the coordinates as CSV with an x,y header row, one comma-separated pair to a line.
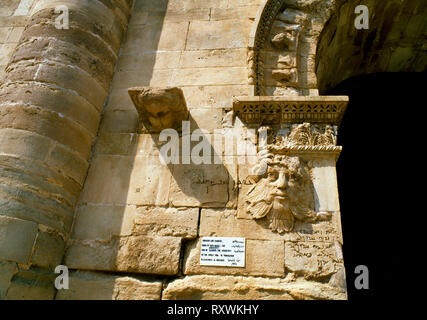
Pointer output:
x,y
394,42
282,46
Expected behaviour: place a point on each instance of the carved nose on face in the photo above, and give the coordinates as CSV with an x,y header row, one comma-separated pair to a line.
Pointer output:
x,y
281,181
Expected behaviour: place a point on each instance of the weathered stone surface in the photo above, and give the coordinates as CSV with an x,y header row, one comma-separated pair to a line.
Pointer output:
x,y
127,144
32,284
210,287
48,249
263,258
225,223
313,259
7,270
24,143
177,222
16,239
160,36
129,181
199,185
159,108
106,222
103,222
140,254
204,34
213,58
98,286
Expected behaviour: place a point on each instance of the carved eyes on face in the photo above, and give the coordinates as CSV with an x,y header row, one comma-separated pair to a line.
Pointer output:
x,y
272,176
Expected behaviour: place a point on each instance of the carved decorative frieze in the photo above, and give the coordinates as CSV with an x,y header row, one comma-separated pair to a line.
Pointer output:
x,y
290,110
159,108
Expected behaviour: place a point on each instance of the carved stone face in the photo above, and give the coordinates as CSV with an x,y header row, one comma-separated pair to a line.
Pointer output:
x,y
159,108
284,193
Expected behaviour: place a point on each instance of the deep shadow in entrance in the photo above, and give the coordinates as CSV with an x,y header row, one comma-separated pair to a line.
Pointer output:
x,y
380,176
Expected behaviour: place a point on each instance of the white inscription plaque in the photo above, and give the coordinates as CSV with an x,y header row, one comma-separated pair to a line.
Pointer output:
x,y
223,251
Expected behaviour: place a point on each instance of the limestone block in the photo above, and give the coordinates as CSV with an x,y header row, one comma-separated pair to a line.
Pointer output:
x,y
48,249
168,36
325,185
159,108
127,144
32,284
97,286
64,52
263,258
206,34
211,287
130,180
224,223
150,60
313,259
66,77
178,16
177,222
103,222
47,123
69,162
7,270
213,58
216,96
14,174
248,11
204,185
30,205
206,119
210,76
24,144
4,33
140,254
16,239
66,103
120,121
143,77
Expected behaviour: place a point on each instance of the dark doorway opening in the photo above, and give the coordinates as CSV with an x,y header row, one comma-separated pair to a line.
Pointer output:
x,y
382,135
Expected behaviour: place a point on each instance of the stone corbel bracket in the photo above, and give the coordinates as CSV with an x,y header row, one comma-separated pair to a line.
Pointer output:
x,y
159,108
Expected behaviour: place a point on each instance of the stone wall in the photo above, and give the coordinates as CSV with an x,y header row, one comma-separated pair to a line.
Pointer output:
x,y
13,19
142,221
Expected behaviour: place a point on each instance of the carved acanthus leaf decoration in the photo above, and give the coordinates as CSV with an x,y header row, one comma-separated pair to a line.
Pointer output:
x,y
310,135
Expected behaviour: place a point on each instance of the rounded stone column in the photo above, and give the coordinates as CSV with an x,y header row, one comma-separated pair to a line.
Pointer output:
x,y
50,104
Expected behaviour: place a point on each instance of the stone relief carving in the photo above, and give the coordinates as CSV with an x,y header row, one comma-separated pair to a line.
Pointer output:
x,y
283,190
307,134
159,108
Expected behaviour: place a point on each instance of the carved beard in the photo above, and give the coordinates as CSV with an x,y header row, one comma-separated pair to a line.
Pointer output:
x,y
282,218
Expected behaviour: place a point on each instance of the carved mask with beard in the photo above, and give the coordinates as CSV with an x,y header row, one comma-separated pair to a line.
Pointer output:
x,y
283,193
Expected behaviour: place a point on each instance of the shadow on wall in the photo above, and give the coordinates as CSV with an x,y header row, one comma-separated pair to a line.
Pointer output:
x,y
103,222
123,223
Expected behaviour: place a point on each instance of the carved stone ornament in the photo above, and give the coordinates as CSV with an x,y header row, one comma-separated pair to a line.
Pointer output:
x,y
159,108
283,190
275,110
